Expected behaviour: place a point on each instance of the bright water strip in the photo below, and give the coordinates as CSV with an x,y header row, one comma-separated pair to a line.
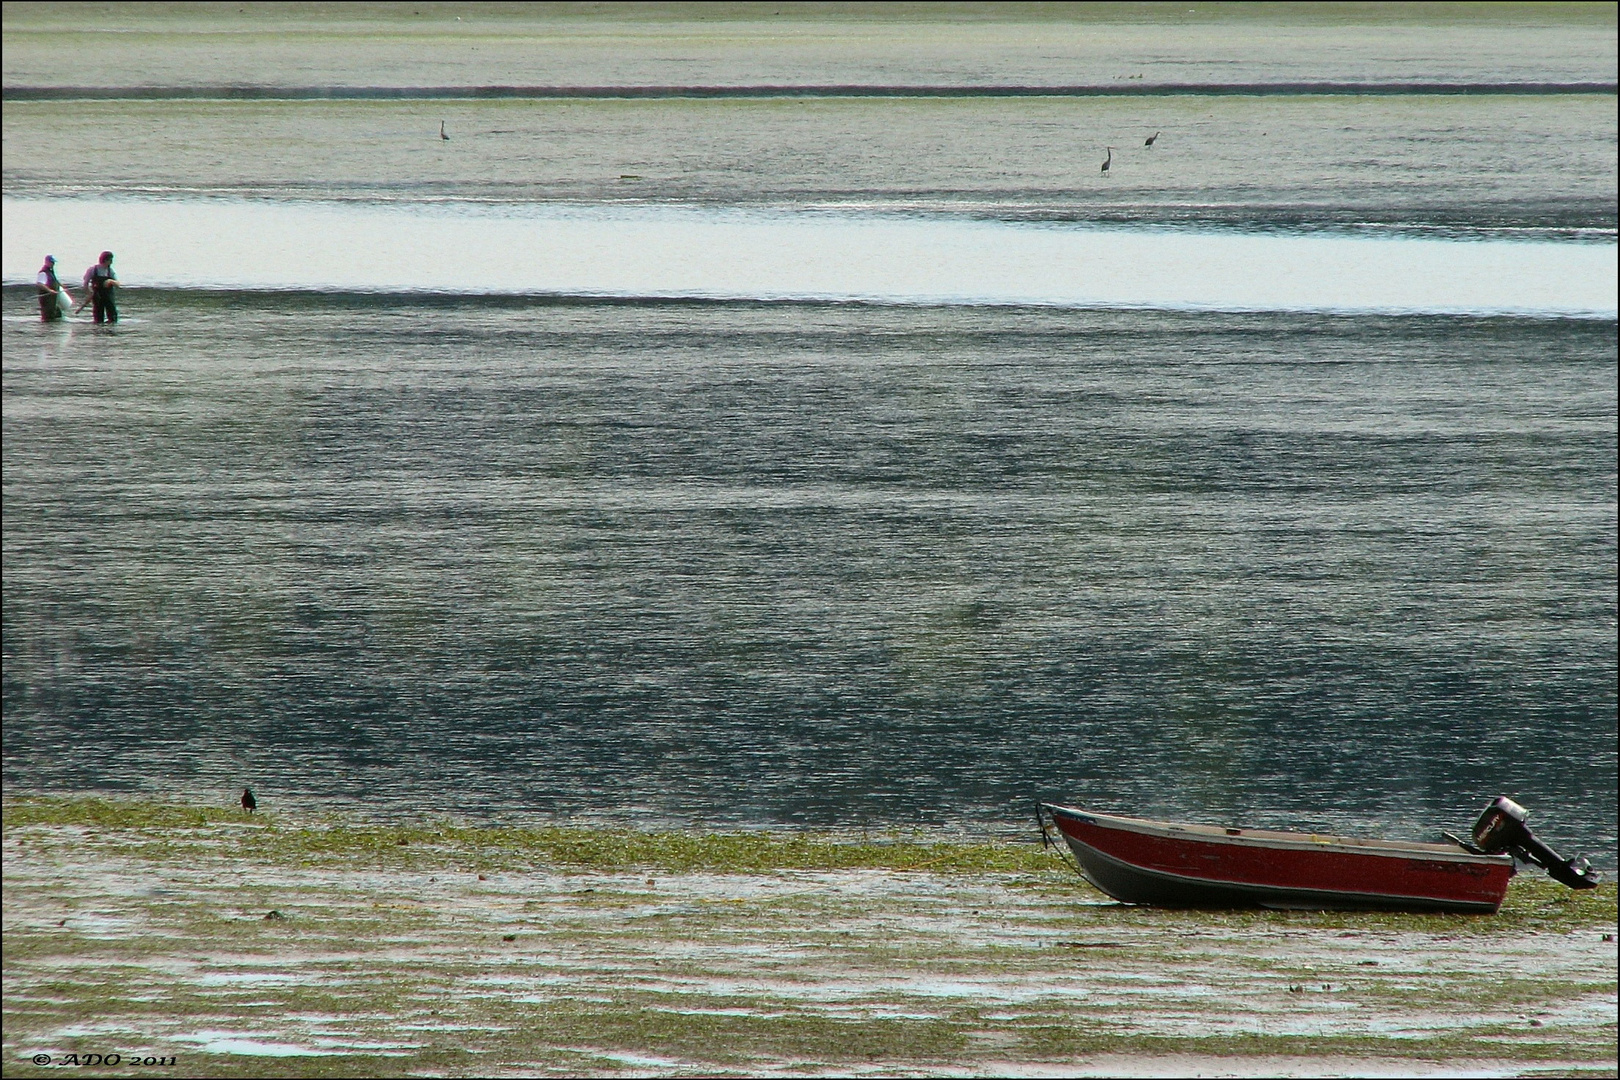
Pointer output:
x,y
669,251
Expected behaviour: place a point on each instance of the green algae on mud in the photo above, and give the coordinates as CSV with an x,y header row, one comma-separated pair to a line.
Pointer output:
x,y
166,831
554,952
595,849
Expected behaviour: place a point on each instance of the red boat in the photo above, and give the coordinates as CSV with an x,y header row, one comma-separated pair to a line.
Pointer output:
x,y
1171,865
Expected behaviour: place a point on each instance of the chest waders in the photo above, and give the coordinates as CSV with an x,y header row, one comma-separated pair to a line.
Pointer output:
x,y
101,294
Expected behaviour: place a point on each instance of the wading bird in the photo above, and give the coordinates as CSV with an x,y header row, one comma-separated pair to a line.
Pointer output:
x,y
1109,162
1151,139
248,801
442,135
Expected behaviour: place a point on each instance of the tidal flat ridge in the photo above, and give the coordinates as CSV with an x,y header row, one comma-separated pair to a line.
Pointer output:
x,y
285,946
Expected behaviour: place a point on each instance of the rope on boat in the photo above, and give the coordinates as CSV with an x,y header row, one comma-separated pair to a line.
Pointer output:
x,y
1047,841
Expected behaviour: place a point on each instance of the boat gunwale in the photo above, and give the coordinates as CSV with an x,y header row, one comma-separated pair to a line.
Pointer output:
x,y
1297,841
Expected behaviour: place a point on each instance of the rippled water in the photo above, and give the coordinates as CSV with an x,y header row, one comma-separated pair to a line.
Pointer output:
x,y
751,563
1452,162
731,562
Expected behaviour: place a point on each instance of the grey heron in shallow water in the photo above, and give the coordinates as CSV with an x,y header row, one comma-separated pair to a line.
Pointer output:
x,y
1109,162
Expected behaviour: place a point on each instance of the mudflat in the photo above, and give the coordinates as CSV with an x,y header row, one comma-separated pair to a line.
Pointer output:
x,y
275,946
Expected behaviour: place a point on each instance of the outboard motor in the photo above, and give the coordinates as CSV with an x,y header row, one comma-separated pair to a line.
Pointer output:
x,y
1501,828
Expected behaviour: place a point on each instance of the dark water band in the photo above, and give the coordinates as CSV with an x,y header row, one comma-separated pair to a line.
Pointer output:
x,y
472,93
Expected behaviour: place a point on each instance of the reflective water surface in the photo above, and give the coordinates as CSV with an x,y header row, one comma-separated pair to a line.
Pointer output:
x,y
844,565
654,251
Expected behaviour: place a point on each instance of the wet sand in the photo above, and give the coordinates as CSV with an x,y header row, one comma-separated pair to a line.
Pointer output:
x,y
672,44
223,947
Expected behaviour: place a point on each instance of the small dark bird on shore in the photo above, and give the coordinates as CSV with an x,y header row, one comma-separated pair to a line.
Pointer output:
x,y
442,135
1109,162
1151,139
248,801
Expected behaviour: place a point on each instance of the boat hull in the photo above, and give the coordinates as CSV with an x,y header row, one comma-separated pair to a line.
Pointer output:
x,y
1170,865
